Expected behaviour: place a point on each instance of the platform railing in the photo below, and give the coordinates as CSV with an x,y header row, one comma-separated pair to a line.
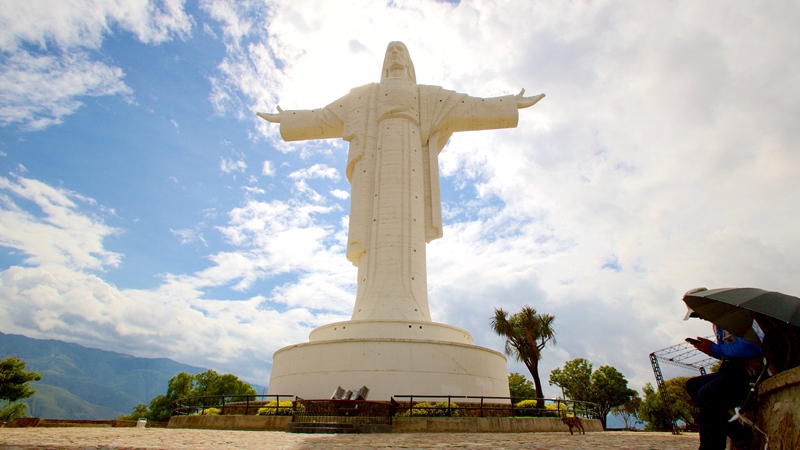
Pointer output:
x,y
400,405
243,404
484,406
343,411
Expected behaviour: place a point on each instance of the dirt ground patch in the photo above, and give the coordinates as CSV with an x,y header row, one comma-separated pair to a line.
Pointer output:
x,y
165,438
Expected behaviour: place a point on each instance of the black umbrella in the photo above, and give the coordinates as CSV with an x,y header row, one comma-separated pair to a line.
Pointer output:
x,y
732,308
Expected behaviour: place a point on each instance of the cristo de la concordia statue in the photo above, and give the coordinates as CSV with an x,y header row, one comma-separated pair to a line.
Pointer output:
x,y
395,129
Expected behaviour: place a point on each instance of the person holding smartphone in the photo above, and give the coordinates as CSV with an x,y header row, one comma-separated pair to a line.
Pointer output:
x,y
717,393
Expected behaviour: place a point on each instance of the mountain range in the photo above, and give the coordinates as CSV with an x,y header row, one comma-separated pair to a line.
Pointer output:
x,y
86,383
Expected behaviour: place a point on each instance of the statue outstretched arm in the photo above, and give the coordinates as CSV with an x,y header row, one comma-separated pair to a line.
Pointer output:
x,y
302,125
271,117
525,102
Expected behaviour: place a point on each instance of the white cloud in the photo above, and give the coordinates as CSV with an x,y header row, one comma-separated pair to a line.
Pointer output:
x,y
251,66
39,90
38,87
340,194
267,169
188,236
210,213
250,191
70,24
228,165
59,233
54,302
315,171
209,31
55,298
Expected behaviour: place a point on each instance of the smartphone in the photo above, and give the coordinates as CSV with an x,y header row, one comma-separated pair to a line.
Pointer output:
x,y
693,341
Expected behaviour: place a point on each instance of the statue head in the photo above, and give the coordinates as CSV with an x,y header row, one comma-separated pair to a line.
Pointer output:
x,y
397,55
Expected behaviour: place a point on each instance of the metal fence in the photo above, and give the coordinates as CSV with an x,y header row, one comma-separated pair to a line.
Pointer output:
x,y
234,404
343,411
362,411
480,406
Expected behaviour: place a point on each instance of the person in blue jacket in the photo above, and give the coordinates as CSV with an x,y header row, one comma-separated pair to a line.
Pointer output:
x,y
717,393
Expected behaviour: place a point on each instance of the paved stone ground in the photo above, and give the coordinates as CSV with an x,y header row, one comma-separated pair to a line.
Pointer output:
x,y
169,438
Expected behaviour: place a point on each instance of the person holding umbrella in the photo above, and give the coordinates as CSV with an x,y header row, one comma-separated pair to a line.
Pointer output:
x,y
717,393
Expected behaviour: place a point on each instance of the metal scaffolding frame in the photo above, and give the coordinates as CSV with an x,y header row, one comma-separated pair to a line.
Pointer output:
x,y
681,355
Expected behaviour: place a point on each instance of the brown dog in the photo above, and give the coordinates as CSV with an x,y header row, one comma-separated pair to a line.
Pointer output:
x,y
573,422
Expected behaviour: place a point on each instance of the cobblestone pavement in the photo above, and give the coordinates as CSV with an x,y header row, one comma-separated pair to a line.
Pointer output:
x,y
168,438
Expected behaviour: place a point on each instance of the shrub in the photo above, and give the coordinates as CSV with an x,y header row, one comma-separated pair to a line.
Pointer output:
x,y
428,409
210,412
527,408
284,409
12,411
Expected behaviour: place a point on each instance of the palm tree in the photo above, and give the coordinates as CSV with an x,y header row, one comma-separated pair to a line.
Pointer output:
x,y
526,334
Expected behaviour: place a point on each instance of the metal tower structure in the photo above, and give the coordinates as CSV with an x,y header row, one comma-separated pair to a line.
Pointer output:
x,y
681,355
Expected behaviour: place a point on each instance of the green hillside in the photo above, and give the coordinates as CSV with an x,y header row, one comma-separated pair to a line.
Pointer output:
x,y
86,383
53,402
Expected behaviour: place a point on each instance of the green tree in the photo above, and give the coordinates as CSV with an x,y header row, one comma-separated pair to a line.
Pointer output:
x,y
139,412
606,387
653,412
212,383
11,411
14,386
681,406
575,380
629,412
520,387
205,383
15,380
609,389
179,386
526,334
184,385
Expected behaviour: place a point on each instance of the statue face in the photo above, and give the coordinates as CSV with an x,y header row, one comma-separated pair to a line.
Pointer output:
x,y
397,62
397,56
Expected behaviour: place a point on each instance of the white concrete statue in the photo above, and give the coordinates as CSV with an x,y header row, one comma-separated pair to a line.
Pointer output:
x,y
396,129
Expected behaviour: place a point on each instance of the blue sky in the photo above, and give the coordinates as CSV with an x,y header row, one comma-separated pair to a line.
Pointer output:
x,y
144,208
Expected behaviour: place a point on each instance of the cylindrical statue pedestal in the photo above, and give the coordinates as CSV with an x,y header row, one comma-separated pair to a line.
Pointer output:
x,y
390,358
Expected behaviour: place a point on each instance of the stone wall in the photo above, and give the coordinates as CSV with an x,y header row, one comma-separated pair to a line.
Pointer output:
x,y
252,423
399,424
486,425
778,411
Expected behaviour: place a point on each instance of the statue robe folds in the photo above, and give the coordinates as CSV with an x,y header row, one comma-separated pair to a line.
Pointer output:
x,y
395,131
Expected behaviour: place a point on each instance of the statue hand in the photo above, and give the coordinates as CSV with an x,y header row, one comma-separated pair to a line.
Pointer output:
x,y
524,102
272,117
